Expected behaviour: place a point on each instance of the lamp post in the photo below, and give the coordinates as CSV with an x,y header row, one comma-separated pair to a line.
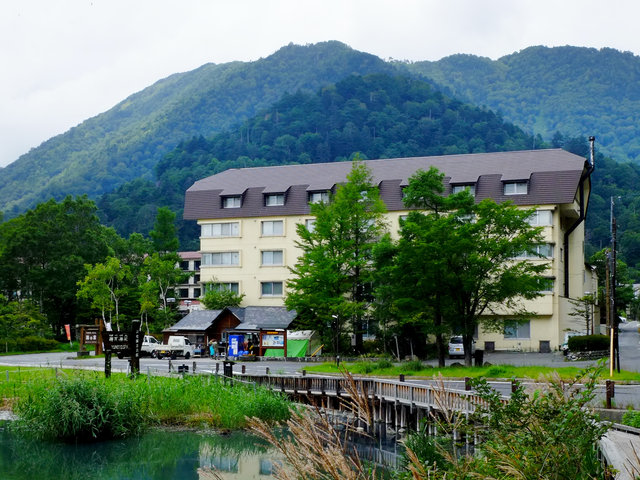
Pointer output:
x,y
615,347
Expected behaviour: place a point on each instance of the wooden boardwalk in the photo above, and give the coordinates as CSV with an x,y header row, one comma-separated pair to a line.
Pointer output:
x,y
403,405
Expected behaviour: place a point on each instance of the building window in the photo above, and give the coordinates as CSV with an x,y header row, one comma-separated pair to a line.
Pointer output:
x,y
515,188
272,257
184,265
271,228
221,258
319,197
514,329
310,223
196,293
231,286
541,218
546,285
228,229
544,250
196,265
471,188
271,289
274,200
184,293
232,202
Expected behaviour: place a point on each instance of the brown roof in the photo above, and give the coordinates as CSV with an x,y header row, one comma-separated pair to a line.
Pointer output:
x,y
553,177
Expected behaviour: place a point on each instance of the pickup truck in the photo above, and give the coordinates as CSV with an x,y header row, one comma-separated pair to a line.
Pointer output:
x,y
149,347
176,347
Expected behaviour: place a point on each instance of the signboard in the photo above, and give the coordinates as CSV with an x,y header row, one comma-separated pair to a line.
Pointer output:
x,y
236,345
271,339
90,335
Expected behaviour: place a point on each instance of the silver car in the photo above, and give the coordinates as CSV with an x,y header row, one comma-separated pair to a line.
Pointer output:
x,y
456,348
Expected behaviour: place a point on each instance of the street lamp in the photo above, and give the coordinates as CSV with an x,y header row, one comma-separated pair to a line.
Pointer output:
x,y
337,333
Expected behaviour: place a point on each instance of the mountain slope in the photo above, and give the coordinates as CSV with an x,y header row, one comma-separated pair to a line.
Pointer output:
x,y
378,115
128,140
573,90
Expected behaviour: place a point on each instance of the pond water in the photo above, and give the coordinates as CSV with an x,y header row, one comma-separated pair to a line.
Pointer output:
x,y
159,454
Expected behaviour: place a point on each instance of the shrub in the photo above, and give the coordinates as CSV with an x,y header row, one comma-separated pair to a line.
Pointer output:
x,y
587,343
411,366
383,364
34,343
631,418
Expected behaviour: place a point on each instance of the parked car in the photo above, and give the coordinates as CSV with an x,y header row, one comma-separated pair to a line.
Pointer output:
x,y
456,347
565,345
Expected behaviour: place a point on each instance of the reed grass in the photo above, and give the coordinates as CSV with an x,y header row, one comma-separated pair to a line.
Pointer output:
x,y
76,405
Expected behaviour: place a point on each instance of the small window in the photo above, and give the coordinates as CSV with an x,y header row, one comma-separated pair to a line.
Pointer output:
x,y
196,293
232,202
546,285
196,265
231,286
310,224
184,265
271,228
272,257
271,289
274,200
515,188
541,218
227,229
319,197
471,188
184,293
544,250
221,258
514,329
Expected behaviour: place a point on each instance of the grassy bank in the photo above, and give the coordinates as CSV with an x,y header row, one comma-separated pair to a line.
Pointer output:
x,y
77,404
385,368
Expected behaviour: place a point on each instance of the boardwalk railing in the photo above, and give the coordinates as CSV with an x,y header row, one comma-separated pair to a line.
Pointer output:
x,y
426,396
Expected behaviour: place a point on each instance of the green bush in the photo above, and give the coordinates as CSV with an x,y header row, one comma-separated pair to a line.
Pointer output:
x,y
33,343
587,343
383,364
411,366
631,418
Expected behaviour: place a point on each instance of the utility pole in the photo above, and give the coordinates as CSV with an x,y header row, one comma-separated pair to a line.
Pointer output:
x,y
614,314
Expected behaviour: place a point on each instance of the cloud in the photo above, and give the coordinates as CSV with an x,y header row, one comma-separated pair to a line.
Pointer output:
x,y
68,60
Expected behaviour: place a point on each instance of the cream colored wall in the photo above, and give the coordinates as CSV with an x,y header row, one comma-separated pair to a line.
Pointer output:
x,y
549,324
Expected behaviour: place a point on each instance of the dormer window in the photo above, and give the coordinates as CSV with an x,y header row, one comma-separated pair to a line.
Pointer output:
x,y
471,188
515,188
274,199
232,202
319,197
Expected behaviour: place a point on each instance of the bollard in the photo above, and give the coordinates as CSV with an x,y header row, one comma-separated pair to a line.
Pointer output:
x,y
402,377
467,383
194,368
217,368
244,369
304,373
610,391
268,372
169,365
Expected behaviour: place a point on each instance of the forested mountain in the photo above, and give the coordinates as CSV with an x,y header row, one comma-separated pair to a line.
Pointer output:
x,y
127,141
378,115
574,90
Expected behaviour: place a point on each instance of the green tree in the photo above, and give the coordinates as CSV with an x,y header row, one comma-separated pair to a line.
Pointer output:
x,y
328,288
161,274
164,233
218,297
466,263
43,253
104,285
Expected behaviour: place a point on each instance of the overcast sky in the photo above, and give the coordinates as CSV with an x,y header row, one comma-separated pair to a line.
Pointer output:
x,y
64,61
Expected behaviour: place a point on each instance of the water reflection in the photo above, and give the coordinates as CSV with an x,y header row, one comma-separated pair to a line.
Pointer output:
x,y
157,455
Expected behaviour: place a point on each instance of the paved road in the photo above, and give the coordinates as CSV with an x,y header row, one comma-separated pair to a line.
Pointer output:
x,y
626,395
